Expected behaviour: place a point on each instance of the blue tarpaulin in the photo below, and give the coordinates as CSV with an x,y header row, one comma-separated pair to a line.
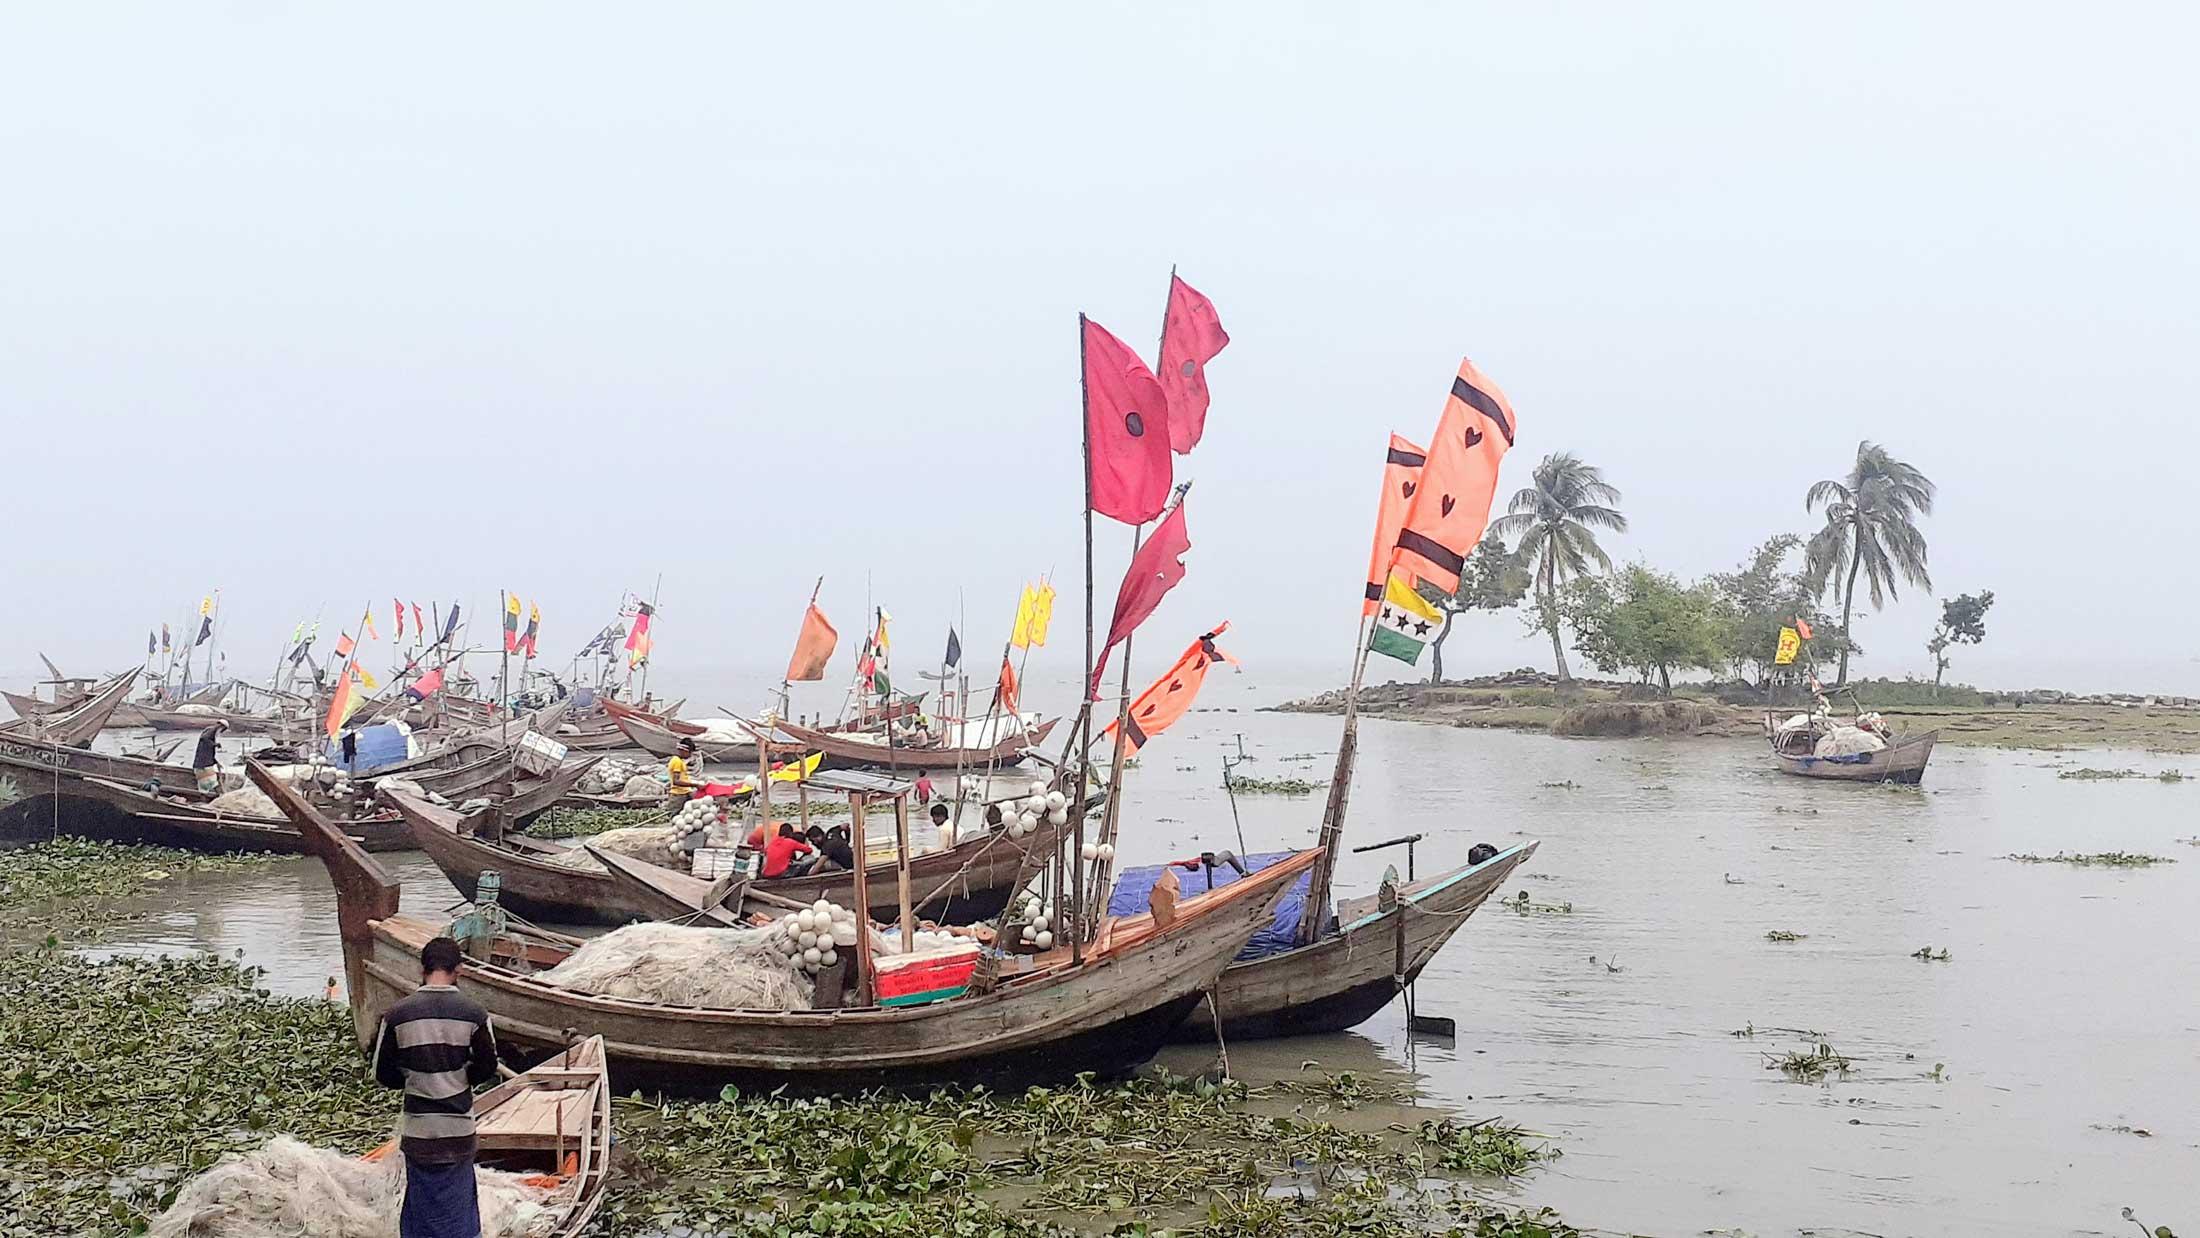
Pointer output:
x,y
379,745
1133,885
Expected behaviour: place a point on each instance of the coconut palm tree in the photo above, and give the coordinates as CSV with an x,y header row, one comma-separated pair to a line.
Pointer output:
x,y
1871,530
1555,521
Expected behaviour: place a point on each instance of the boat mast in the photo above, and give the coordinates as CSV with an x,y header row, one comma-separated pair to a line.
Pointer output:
x,y
1316,912
654,590
1083,730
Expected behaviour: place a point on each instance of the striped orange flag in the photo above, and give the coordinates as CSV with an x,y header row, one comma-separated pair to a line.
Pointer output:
x,y
1401,476
1451,503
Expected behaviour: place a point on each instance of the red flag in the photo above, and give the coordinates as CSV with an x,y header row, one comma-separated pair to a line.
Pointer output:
x,y
1191,335
399,608
1802,629
1126,430
420,625
534,629
1451,505
813,647
1171,696
1156,569
511,622
343,645
1005,693
1401,476
426,686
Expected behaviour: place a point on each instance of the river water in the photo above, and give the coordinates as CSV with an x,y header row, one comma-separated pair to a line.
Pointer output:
x,y
2066,1019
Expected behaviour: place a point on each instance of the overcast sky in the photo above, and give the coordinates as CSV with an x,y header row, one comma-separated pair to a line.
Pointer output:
x,y
319,304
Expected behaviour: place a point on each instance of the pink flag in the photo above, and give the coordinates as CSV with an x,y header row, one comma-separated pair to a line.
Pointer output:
x,y
1156,569
426,686
1191,335
1126,430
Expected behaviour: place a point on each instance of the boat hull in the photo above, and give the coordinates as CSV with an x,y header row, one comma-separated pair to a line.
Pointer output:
x,y
1902,763
1346,977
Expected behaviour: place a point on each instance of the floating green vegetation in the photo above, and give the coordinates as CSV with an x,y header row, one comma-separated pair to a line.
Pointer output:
x,y
2095,859
1812,1065
1274,786
1343,1089
1487,1148
190,1061
583,822
2159,1231
2089,774
94,873
2170,775
1785,935
1930,955
1205,1155
1564,785
1521,905
2190,842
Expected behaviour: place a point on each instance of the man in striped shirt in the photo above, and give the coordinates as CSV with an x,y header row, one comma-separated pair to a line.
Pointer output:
x,y
436,1045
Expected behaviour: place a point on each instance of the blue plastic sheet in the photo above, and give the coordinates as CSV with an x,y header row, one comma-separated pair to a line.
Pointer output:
x,y
1134,885
379,745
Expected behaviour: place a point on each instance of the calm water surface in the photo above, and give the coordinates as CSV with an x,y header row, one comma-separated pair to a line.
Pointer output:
x,y
2068,1015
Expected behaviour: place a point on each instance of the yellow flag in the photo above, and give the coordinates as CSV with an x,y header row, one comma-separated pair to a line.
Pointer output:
x,y
206,604
365,680
1042,613
1026,607
367,621
1790,641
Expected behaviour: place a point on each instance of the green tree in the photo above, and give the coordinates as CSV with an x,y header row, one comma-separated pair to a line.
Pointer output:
x,y
1556,521
1493,578
1645,621
1756,600
1962,622
1871,529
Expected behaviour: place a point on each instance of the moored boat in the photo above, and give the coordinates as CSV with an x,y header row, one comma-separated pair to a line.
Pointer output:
x,y
1104,1011
79,723
174,821
846,749
1796,741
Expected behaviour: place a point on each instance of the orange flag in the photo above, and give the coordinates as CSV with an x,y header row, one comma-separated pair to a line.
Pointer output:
x,y
813,648
1451,503
1170,697
1006,692
1401,476
340,704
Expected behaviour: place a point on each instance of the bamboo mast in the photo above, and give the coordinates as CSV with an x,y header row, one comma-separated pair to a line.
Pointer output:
x,y
858,808
1084,681
901,874
654,590
1316,913
504,670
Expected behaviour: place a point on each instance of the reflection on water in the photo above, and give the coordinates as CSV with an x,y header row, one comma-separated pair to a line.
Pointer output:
x,y
2069,1007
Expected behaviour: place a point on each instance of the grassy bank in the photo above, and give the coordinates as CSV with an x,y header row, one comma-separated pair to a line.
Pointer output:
x,y
1969,718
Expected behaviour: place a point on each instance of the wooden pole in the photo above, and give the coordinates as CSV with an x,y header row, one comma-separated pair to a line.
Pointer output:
x,y
1084,680
1316,913
858,806
654,591
764,768
901,864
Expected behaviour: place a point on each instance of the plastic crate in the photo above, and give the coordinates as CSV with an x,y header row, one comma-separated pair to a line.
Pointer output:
x,y
538,754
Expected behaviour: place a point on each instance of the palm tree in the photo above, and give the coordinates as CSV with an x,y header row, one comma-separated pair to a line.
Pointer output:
x,y
1554,519
1871,529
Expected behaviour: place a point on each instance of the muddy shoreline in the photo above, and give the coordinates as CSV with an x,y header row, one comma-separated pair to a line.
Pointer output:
x,y
1597,709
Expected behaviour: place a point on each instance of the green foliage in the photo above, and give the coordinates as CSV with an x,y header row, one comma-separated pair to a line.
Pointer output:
x,y
1870,531
1760,597
1962,622
1784,935
1810,1065
2096,859
123,1079
1556,521
1930,955
1273,786
1643,620
587,822
96,874
1486,1148
1493,578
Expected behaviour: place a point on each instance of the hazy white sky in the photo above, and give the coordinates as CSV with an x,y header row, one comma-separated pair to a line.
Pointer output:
x,y
324,304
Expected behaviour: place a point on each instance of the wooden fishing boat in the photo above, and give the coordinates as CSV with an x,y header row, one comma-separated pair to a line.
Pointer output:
x,y
1901,762
969,881
1379,944
1105,1013
553,1123
845,749
663,739
81,722
173,821
42,759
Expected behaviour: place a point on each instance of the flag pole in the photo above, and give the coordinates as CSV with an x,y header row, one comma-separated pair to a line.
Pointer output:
x,y
1084,681
504,670
654,591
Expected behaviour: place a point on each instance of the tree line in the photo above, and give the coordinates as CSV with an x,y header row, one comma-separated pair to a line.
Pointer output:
x,y
1543,553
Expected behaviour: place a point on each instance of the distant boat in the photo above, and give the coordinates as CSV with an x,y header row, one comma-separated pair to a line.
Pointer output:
x,y
1795,751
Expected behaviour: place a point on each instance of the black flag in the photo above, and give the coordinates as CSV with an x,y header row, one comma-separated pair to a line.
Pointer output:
x,y
450,625
954,649
206,629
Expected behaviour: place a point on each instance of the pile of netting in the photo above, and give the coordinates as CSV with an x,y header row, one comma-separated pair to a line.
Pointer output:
x,y
1848,741
294,1190
655,844
621,776
682,965
245,801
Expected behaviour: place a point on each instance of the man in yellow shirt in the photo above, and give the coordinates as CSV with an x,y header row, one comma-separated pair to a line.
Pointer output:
x,y
683,785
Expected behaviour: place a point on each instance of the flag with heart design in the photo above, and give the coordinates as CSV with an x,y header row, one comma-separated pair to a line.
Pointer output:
x,y
1401,477
1451,504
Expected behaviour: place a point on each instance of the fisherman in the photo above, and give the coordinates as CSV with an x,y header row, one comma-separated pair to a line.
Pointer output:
x,y
683,785
834,855
924,786
206,763
942,826
780,852
437,1046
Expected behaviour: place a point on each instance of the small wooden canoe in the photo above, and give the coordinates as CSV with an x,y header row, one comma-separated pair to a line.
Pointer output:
x,y
1106,1013
81,722
1900,762
663,739
1344,977
40,760
194,827
966,882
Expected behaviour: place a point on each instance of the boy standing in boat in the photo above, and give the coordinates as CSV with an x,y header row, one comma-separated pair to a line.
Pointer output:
x,y
206,761
683,785
437,1046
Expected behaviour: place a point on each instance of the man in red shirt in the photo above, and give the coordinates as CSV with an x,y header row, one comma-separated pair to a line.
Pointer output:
x,y
781,851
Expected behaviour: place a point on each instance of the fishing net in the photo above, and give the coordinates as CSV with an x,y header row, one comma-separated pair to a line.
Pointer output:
x,y
293,1190
1848,741
247,801
679,965
656,844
